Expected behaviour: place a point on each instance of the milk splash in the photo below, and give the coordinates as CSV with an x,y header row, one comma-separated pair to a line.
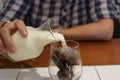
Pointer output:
x,y
32,46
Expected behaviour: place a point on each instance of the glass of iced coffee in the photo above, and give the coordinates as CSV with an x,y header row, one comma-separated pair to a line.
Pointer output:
x,y
65,61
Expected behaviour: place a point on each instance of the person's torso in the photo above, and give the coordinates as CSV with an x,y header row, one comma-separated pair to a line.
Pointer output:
x,y
67,13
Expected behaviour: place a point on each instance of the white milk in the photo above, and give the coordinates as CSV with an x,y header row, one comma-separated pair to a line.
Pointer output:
x,y
33,45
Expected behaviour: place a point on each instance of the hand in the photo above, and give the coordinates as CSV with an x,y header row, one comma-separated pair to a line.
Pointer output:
x,y
6,42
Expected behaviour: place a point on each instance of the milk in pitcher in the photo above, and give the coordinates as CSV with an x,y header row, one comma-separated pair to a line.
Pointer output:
x,y
32,46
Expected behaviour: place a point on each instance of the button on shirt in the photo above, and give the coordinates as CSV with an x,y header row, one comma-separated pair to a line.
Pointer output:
x,y
67,13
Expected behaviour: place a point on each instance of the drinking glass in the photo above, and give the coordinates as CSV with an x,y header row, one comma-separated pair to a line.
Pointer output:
x,y
65,61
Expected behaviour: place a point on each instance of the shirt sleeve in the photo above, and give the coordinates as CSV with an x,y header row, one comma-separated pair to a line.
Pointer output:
x,y
14,9
101,9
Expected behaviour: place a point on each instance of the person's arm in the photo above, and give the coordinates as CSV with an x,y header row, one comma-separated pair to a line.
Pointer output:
x,y
101,30
101,14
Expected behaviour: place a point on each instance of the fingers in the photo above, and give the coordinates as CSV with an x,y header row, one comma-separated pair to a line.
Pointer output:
x,y
6,41
21,27
2,48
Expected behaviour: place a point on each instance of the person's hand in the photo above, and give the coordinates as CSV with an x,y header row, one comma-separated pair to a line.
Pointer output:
x,y
6,32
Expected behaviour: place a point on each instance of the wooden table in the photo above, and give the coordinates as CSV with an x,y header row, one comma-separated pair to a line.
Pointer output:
x,y
92,53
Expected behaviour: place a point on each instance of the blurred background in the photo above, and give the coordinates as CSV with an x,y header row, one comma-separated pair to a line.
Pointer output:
x,y
2,3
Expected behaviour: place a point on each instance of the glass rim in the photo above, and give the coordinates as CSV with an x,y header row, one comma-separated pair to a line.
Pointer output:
x,y
73,41
76,43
